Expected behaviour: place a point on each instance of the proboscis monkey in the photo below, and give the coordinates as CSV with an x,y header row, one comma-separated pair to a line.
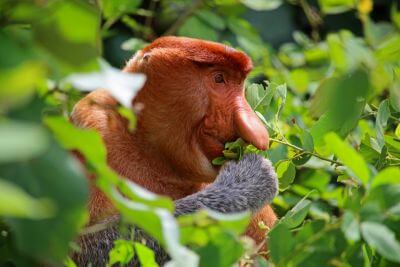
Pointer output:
x,y
193,102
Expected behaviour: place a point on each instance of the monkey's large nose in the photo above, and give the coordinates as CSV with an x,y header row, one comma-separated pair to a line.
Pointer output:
x,y
250,127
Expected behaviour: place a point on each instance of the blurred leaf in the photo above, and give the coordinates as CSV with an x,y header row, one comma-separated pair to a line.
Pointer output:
x,y
395,14
299,80
121,253
115,8
55,176
123,86
336,6
350,158
346,96
15,91
389,49
247,37
69,31
133,44
69,262
381,121
376,33
395,96
23,205
21,141
197,28
389,175
350,226
86,141
297,214
382,239
212,19
262,4
130,116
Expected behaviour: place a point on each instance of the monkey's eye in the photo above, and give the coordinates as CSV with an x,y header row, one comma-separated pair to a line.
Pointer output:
x,y
219,78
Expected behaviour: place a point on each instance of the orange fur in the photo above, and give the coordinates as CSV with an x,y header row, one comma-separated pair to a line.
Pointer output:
x,y
186,119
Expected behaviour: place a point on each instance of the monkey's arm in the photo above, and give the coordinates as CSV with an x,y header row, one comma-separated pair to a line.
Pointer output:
x,y
245,185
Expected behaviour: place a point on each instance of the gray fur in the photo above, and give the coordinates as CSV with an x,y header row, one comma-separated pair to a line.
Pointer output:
x,y
248,184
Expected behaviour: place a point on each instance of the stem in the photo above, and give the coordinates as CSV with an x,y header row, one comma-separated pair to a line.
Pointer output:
x,y
179,22
313,18
305,151
149,20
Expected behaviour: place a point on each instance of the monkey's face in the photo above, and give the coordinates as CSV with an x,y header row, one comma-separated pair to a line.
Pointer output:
x,y
194,103
228,115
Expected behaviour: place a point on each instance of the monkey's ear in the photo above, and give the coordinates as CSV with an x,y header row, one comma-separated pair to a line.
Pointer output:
x,y
139,58
146,56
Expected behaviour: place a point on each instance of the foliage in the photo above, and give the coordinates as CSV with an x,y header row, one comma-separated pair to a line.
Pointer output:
x,y
331,102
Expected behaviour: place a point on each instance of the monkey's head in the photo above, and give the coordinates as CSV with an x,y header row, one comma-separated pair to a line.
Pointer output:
x,y
194,103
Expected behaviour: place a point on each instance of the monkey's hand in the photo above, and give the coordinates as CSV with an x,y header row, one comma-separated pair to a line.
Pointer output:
x,y
248,184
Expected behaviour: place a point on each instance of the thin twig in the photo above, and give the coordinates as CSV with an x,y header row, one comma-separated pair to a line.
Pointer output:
x,y
313,18
179,22
305,151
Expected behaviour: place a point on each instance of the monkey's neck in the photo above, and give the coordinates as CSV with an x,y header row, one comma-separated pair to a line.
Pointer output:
x,y
145,166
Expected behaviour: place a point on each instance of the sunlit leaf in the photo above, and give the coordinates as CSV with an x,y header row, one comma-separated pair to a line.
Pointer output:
x,y
145,255
121,253
390,175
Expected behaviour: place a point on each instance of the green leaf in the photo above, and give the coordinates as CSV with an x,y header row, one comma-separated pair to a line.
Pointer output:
x,y
121,253
281,243
382,239
286,172
23,205
21,141
355,164
381,121
297,214
145,255
350,226
389,175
